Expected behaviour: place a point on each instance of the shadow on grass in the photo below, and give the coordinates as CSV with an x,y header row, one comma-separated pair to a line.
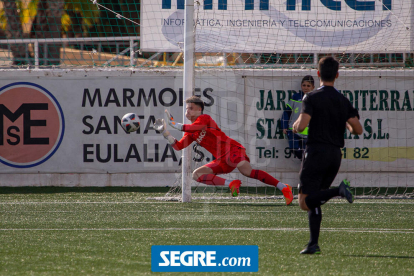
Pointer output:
x,y
58,190
380,256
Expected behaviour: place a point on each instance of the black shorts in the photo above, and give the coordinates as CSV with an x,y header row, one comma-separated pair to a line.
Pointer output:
x,y
320,166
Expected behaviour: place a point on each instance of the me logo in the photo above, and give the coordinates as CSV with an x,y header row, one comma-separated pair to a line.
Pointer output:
x,y
31,125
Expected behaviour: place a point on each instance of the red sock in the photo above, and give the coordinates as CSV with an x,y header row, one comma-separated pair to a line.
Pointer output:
x,y
211,179
264,177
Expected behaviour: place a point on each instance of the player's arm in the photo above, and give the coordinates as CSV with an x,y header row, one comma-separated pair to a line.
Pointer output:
x,y
301,123
172,122
184,142
354,126
183,127
161,127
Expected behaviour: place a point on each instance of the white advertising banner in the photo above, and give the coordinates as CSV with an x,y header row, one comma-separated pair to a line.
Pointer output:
x,y
384,101
70,122
264,26
67,123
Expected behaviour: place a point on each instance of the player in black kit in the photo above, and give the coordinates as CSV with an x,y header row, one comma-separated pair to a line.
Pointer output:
x,y
327,112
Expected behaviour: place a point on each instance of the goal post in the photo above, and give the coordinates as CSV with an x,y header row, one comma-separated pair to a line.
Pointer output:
x,y
188,84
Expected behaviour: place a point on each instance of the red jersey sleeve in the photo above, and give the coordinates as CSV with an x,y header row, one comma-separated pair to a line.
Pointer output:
x,y
184,142
199,124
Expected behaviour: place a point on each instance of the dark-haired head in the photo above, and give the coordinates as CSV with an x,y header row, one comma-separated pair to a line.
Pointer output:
x,y
308,84
308,78
197,101
328,69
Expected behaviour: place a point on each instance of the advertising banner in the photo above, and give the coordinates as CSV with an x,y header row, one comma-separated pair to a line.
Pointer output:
x,y
73,124
69,123
384,102
263,26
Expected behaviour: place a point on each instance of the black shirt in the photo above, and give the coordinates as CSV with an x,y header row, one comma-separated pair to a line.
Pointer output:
x,y
329,111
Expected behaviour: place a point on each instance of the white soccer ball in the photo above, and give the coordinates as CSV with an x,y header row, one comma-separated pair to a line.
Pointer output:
x,y
130,122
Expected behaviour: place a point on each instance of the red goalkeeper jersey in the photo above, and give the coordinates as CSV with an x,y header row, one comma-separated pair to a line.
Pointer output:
x,y
208,135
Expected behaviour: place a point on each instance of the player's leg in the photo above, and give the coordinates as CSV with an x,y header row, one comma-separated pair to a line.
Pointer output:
x,y
311,175
315,220
319,168
345,190
246,169
332,156
207,174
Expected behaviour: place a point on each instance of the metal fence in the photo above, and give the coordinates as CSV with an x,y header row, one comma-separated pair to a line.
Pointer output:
x,y
116,51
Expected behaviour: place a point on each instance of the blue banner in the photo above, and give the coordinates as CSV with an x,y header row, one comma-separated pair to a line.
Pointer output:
x,y
205,258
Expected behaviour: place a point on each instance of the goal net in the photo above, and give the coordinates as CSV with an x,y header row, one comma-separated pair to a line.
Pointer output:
x,y
250,58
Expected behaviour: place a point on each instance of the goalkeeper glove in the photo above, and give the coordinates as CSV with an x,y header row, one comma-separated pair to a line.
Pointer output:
x,y
173,123
160,126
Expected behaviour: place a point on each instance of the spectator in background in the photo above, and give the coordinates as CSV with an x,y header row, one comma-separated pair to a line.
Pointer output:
x,y
297,141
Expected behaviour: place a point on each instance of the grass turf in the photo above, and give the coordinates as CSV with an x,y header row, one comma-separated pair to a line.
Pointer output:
x,y
109,231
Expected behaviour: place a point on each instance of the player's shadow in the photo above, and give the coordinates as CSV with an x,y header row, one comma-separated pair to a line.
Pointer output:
x,y
380,256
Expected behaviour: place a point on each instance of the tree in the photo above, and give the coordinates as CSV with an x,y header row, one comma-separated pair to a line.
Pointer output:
x,y
14,30
64,18
48,24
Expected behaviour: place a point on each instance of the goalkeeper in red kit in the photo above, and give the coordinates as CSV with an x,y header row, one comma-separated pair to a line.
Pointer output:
x,y
229,153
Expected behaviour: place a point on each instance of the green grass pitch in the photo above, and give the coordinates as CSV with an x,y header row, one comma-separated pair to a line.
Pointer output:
x,y
109,231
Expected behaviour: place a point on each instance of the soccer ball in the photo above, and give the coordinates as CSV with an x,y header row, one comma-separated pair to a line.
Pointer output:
x,y
130,122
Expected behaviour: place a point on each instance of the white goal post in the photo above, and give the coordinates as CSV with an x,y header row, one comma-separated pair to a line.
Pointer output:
x,y
188,84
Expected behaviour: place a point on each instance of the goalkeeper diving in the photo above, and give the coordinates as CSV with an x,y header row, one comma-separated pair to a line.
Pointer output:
x,y
229,153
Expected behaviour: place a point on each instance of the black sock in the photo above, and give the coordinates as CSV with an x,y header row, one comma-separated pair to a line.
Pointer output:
x,y
315,200
315,219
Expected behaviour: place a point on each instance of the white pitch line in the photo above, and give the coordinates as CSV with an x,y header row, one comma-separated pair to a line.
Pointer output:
x,y
207,202
165,211
353,230
193,211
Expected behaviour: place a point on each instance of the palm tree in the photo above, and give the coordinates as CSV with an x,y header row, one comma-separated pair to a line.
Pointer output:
x,y
14,30
68,18
130,9
48,24
79,16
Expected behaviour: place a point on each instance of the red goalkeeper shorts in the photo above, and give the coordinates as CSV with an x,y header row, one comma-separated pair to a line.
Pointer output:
x,y
228,162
